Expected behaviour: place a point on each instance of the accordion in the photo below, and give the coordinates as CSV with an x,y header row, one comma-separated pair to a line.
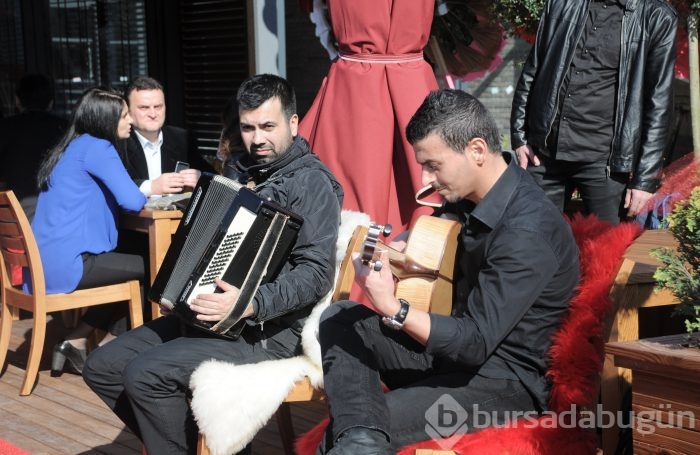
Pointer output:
x,y
226,231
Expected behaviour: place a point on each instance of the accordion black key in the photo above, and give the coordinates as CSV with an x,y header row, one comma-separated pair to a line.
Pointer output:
x,y
226,231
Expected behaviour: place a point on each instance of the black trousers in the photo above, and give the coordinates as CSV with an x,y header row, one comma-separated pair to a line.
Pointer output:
x,y
602,194
104,269
429,397
144,375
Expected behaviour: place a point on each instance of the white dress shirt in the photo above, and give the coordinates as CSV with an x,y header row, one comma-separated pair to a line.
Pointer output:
x,y
151,151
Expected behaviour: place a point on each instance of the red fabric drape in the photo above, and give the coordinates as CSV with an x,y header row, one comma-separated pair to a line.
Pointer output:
x,y
358,119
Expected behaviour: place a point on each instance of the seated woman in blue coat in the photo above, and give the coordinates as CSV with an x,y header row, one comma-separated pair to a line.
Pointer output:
x,y
83,185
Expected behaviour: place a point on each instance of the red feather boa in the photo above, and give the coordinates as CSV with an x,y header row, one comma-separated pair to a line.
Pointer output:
x,y
576,357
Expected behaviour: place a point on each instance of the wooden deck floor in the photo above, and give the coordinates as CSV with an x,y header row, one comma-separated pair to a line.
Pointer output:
x,y
63,416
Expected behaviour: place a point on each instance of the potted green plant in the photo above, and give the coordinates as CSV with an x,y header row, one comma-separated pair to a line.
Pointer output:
x,y
680,272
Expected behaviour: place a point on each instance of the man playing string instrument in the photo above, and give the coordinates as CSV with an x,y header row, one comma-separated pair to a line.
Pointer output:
x,y
516,268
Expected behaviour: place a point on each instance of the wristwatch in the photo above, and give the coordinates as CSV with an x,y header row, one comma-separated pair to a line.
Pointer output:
x,y
396,321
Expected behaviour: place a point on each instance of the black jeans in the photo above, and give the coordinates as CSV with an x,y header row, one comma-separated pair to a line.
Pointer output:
x,y
104,269
144,375
602,194
427,393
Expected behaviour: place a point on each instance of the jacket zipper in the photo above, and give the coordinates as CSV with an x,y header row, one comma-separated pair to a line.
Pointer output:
x,y
263,340
625,16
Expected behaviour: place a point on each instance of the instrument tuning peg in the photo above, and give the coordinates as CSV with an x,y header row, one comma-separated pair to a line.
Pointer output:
x,y
370,244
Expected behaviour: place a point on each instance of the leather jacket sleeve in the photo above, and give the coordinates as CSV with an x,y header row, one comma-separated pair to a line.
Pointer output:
x,y
657,105
518,114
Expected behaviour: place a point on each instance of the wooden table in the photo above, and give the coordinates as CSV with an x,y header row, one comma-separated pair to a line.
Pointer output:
x,y
160,225
632,289
665,393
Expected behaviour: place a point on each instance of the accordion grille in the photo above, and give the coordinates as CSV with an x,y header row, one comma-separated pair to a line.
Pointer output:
x,y
214,205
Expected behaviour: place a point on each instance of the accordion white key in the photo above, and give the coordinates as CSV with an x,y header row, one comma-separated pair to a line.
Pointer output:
x,y
226,231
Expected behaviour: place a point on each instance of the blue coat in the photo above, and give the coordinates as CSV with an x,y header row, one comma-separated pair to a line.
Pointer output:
x,y
79,212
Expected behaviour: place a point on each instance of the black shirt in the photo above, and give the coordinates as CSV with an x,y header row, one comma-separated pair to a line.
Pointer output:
x,y
583,128
517,269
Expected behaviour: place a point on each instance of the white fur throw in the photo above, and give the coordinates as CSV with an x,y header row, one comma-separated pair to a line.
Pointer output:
x,y
231,403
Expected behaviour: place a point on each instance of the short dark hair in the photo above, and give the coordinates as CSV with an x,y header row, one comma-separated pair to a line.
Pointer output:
x,y
142,83
96,113
257,89
457,117
35,92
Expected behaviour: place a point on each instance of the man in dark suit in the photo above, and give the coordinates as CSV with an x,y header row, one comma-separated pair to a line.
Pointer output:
x,y
26,137
151,154
153,149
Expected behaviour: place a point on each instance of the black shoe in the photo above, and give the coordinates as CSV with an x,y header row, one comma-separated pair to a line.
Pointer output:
x,y
361,440
65,351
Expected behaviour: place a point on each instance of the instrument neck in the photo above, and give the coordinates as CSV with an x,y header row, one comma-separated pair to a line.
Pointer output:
x,y
403,266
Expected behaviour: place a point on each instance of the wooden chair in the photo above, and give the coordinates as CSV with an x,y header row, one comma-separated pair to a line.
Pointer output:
x,y
18,247
303,390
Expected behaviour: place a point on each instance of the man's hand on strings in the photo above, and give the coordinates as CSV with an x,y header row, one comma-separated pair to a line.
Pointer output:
x,y
377,285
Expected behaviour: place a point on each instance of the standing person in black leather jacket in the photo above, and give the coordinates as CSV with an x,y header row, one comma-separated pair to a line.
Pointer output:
x,y
593,105
144,375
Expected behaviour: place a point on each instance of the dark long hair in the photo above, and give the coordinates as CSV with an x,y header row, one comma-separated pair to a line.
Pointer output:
x,y
97,113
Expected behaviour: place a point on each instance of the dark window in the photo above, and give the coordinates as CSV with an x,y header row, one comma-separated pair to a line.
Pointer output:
x,y
214,36
95,43
11,54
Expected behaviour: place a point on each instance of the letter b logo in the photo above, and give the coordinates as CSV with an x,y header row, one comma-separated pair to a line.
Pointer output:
x,y
446,421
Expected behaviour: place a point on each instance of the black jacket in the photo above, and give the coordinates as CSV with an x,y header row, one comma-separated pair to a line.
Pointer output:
x,y
644,96
300,182
177,146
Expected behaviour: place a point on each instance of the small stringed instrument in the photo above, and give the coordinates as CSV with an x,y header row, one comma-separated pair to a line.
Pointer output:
x,y
425,269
